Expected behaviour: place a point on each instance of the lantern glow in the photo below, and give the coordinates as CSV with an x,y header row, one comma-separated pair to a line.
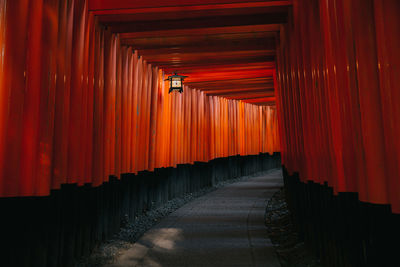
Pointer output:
x,y
176,83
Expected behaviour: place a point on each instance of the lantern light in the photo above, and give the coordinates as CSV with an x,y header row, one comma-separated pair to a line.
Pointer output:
x,y
176,82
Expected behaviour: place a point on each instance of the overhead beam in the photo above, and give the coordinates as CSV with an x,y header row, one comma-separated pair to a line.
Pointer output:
x,y
247,29
226,47
260,100
204,47
241,92
232,67
186,14
221,55
209,39
207,49
240,89
238,74
271,104
233,82
210,61
113,7
196,23
222,88
247,95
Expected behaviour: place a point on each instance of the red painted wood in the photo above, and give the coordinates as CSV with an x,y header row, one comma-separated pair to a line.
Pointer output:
x,y
117,6
76,106
388,60
335,95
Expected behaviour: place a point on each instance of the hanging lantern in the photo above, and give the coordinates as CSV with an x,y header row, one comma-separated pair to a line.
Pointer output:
x,y
176,82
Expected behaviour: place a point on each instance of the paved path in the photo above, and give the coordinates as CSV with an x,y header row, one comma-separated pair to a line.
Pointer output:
x,y
222,228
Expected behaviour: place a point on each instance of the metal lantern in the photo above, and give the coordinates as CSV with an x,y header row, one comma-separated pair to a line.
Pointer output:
x,y
176,82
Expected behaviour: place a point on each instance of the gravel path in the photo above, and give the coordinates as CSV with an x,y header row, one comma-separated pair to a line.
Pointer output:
x,y
109,251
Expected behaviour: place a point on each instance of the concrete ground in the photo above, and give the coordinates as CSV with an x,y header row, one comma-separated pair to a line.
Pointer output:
x,y
222,228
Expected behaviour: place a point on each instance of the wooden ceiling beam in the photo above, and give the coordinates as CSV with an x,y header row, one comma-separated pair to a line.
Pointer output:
x,y
240,89
155,42
221,56
185,51
247,95
220,88
238,74
106,19
232,67
260,100
239,92
206,47
197,23
236,87
120,7
210,61
229,82
271,104
262,29
233,82
226,47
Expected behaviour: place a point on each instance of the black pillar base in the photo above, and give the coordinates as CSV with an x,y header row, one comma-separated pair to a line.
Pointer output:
x,y
68,224
341,230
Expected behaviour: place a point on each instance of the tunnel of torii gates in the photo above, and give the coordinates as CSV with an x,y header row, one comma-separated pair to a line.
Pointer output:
x,y
89,132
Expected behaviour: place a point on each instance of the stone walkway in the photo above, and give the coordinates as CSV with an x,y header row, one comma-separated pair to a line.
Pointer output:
x,y
223,228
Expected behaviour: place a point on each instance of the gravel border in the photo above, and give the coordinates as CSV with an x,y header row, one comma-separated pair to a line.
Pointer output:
x,y
290,249
109,250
